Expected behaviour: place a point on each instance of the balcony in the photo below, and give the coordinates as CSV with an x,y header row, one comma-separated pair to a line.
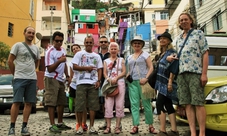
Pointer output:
x,y
171,4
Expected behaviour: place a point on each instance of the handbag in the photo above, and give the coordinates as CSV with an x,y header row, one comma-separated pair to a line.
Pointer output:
x,y
32,54
108,88
147,91
152,77
174,66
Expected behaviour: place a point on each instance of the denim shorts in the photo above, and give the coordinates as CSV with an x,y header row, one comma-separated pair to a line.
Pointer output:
x,y
24,90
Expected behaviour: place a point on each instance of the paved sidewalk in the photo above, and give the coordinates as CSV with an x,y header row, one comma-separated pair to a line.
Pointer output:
x,y
39,123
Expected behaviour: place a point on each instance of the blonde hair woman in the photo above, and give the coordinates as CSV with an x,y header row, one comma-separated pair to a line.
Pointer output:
x,y
166,86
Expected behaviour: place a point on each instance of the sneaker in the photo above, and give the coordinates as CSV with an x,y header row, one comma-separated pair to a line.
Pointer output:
x,y
24,132
11,132
63,127
92,130
80,131
173,133
103,127
54,129
85,127
77,126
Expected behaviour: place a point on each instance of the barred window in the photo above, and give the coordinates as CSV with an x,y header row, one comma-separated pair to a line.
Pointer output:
x,y
10,30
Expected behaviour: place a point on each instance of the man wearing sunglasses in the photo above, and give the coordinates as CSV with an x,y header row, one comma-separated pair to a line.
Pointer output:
x,y
56,71
104,54
89,65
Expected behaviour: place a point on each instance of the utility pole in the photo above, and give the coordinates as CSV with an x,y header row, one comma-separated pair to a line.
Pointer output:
x,y
51,24
193,12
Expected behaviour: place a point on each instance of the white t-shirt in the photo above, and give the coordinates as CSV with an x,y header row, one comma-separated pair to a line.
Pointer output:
x,y
24,63
83,58
73,81
51,57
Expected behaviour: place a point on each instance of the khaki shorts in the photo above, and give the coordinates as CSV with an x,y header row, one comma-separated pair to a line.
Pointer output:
x,y
190,90
54,92
86,97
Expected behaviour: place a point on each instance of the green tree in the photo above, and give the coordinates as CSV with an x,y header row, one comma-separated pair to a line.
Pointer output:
x,y
4,53
89,4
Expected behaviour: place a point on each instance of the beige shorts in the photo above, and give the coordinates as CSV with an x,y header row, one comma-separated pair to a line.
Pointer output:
x,y
54,92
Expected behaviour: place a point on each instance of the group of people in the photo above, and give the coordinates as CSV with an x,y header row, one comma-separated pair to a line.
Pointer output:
x,y
90,71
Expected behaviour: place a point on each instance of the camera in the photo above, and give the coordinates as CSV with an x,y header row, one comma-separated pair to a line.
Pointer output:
x,y
129,78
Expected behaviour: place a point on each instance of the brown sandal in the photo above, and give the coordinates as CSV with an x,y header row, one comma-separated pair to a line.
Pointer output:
x,y
152,130
117,130
107,130
134,130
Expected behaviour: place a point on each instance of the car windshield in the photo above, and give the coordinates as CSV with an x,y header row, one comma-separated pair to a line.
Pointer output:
x,y
6,79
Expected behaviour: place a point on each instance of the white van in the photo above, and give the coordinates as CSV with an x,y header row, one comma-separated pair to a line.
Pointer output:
x,y
217,55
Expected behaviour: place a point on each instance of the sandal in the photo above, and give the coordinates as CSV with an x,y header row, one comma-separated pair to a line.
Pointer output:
x,y
107,130
117,130
134,130
152,130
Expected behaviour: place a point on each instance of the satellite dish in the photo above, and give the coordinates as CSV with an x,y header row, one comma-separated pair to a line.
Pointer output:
x,y
39,36
40,50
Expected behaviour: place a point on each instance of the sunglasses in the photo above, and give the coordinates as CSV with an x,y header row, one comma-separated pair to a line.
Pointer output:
x,y
103,42
57,41
88,42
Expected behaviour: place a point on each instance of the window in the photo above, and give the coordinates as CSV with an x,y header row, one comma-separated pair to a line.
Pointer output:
x,y
164,16
218,56
203,28
76,18
217,21
90,26
153,16
53,7
87,17
10,30
31,10
80,26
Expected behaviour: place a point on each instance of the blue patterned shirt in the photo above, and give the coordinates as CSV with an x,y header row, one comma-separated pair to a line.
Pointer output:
x,y
192,53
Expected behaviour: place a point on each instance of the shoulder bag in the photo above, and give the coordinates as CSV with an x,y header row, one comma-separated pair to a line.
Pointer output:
x,y
32,54
147,91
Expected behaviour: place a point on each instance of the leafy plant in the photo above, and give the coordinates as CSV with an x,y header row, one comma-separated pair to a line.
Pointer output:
x,y
4,53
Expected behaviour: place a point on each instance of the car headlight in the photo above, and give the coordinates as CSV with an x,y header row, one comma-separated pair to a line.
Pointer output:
x,y
1,100
217,95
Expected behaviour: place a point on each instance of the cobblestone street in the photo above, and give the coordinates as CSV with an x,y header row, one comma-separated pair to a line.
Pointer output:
x,y
39,124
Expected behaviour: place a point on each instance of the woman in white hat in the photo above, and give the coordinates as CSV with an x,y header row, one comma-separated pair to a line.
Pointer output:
x,y
140,67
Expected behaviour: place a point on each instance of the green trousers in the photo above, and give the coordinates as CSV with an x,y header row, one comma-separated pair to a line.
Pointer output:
x,y
135,93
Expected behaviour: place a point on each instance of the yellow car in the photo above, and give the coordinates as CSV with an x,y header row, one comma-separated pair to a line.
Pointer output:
x,y
215,104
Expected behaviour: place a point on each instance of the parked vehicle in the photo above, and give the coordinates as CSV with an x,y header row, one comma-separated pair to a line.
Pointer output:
x,y
6,94
215,104
217,55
